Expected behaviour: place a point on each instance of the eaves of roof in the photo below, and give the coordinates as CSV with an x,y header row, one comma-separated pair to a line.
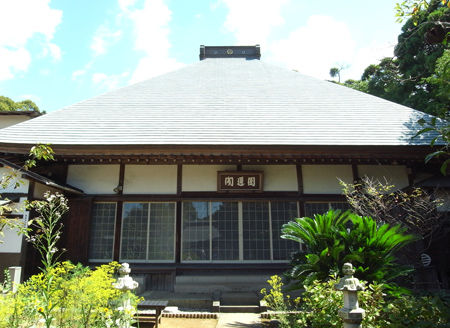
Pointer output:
x,y
41,179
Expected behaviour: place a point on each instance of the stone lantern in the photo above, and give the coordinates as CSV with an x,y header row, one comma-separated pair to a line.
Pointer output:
x,y
351,313
125,283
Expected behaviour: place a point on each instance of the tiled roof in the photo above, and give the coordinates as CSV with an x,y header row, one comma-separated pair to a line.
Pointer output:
x,y
225,101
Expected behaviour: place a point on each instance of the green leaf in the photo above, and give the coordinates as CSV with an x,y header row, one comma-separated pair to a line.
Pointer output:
x,y
433,141
423,131
444,167
434,154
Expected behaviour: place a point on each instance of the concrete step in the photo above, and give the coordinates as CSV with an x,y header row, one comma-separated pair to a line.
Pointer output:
x,y
224,283
239,309
248,298
182,300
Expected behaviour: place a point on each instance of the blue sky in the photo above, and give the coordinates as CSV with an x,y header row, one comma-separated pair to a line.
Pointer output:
x,y
63,51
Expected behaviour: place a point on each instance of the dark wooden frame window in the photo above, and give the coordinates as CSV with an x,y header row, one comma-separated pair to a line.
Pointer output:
x,y
236,231
102,231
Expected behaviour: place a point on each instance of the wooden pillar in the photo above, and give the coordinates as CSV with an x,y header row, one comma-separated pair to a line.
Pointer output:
x,y
355,173
119,208
300,191
178,214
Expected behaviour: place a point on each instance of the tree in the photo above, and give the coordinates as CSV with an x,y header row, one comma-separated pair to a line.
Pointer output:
x,y
385,80
412,8
441,128
9,105
334,71
414,209
418,75
359,85
418,59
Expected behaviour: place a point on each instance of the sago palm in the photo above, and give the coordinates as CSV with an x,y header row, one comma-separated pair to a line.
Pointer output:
x,y
331,240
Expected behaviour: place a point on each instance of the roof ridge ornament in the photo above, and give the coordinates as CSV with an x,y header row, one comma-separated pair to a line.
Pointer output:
x,y
247,52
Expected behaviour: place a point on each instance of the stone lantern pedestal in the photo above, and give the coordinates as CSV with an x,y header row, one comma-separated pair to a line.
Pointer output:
x,y
125,283
351,313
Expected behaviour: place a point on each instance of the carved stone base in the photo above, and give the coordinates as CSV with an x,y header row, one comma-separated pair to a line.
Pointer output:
x,y
352,318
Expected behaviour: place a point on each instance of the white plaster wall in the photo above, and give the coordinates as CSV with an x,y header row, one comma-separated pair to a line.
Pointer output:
x,y
94,179
323,179
394,174
277,177
8,120
202,177
150,179
19,207
40,189
12,241
23,183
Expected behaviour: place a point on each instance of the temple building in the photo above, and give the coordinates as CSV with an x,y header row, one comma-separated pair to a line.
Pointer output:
x,y
189,176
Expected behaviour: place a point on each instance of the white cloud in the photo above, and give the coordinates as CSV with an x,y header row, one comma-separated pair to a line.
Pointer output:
x,y
108,82
313,49
78,73
99,78
252,21
55,51
103,38
23,20
372,54
125,4
151,31
31,97
13,60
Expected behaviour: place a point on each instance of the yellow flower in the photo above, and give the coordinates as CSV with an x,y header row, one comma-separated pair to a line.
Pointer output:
x,y
40,309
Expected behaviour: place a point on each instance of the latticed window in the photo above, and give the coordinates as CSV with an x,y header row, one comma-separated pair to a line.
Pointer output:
x,y
236,231
312,208
102,231
148,232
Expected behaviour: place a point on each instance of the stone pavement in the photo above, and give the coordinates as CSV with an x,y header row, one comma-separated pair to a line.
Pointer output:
x,y
239,320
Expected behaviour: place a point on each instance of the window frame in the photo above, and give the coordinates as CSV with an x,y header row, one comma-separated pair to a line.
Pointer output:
x,y
240,232
114,234
148,231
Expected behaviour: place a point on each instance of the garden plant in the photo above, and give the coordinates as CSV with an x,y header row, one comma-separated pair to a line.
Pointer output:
x,y
63,294
336,237
319,304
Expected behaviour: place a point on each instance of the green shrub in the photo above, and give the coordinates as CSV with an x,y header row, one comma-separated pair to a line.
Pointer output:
x,y
335,238
280,303
75,296
418,311
319,304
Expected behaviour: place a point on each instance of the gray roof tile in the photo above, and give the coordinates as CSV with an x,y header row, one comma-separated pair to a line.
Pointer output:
x,y
229,101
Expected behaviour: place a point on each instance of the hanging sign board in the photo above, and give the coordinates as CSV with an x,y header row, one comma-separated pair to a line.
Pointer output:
x,y
240,181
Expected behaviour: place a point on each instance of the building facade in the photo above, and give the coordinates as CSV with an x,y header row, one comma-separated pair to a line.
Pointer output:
x,y
190,176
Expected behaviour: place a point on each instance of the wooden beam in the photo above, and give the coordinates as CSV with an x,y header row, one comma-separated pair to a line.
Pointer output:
x,y
288,196
119,210
355,173
117,231
300,179
178,214
179,179
121,179
178,232
169,152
